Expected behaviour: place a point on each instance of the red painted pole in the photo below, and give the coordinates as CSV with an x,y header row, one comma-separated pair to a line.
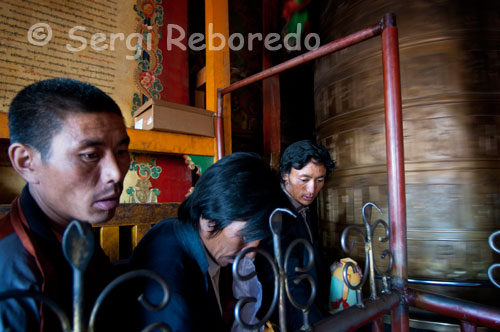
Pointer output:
x,y
469,313
378,324
331,47
395,166
467,327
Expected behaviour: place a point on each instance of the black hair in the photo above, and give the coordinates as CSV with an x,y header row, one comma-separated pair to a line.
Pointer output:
x,y
38,111
239,187
300,153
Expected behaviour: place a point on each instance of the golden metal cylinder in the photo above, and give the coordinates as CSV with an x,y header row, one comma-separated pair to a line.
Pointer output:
x,y
450,76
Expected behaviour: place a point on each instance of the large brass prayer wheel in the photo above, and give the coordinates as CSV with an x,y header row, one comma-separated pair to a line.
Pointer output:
x,y
450,77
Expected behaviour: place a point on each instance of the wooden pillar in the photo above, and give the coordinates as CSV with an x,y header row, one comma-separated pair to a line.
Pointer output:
x,y
218,74
271,110
175,75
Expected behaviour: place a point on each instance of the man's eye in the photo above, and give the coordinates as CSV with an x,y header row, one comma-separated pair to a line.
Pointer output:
x,y
123,152
89,156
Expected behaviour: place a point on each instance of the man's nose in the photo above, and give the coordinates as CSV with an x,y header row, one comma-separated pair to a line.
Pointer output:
x,y
252,254
311,187
110,171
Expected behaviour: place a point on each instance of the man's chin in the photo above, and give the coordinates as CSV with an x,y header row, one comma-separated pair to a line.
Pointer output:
x,y
101,217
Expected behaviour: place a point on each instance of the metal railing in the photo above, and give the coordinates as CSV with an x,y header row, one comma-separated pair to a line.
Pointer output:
x,y
78,245
401,296
78,248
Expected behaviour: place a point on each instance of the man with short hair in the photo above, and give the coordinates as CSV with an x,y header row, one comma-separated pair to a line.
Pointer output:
x,y
304,168
227,212
69,143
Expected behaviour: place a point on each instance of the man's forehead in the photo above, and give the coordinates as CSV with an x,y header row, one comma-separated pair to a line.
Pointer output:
x,y
311,166
90,127
95,121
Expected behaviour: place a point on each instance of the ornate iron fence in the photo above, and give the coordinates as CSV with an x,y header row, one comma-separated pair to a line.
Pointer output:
x,y
78,248
78,244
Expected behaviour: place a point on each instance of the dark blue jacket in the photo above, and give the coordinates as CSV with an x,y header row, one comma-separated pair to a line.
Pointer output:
x,y
174,250
31,258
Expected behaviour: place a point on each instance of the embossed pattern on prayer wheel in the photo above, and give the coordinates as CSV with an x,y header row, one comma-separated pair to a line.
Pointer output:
x,y
450,77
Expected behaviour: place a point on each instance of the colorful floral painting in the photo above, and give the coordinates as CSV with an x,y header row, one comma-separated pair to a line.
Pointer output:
x,y
143,192
157,178
149,67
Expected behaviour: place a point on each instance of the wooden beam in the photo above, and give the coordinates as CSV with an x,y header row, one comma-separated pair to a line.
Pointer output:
x,y
201,78
139,214
131,214
271,110
165,142
138,218
152,141
218,69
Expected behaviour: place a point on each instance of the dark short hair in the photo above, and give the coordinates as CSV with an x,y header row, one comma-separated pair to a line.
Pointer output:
x,y
239,187
300,153
37,112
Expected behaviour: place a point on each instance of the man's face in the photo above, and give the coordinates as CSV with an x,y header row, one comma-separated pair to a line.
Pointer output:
x,y
82,176
304,184
228,243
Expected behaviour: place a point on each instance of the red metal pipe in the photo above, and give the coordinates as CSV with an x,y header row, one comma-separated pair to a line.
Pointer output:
x,y
395,165
353,318
473,313
467,327
378,324
331,47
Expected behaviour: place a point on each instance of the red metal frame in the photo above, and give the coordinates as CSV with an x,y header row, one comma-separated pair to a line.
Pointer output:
x,y
301,59
395,167
469,314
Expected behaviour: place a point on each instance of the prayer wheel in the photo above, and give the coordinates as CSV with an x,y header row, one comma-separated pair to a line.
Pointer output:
x,y
450,80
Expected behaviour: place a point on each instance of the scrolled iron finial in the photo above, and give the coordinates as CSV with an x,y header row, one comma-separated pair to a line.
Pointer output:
x,y
147,274
279,267
370,267
275,223
78,245
302,277
276,220
497,265
243,301
78,248
347,249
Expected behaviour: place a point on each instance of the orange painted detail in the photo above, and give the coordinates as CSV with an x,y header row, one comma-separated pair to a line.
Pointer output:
x,y
165,142
4,127
217,62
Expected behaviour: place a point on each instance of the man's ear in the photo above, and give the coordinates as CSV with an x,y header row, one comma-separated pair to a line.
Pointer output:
x,y
284,177
25,160
205,225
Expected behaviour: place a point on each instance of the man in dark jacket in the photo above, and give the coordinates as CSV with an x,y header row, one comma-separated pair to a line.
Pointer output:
x,y
69,143
227,212
304,167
